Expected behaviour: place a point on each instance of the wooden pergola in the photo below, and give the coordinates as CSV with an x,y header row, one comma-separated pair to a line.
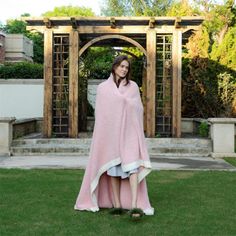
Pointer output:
x,y
160,39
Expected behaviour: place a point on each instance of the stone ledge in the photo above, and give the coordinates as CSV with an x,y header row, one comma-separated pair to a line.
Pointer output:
x,y
26,120
22,81
222,120
7,119
222,155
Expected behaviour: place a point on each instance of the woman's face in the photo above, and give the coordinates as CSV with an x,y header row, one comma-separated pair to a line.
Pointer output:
x,y
122,70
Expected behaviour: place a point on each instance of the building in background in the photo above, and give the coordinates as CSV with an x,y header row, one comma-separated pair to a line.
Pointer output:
x,y
2,47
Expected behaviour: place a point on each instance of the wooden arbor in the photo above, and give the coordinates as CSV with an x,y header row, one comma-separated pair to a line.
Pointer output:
x,y
159,38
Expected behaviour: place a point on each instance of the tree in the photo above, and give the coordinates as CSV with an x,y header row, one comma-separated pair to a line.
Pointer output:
x,y
135,7
226,16
69,11
181,8
15,27
198,44
96,62
225,52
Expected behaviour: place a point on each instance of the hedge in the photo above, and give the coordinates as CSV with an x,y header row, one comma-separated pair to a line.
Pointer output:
x,y
21,70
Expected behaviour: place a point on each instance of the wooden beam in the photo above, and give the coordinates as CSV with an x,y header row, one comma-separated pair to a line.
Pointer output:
x,y
151,82
141,19
176,88
47,110
73,84
177,22
152,22
113,22
47,23
123,30
165,29
74,23
114,36
108,29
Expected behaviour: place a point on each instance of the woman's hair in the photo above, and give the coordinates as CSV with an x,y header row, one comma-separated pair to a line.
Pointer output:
x,y
116,63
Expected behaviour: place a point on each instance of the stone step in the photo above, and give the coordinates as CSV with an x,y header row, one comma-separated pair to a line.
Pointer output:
x,y
81,147
150,141
44,141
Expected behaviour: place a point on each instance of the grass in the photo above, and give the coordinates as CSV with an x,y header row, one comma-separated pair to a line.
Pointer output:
x,y
231,160
40,202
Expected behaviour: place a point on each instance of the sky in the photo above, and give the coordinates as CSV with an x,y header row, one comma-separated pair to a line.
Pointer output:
x,y
12,9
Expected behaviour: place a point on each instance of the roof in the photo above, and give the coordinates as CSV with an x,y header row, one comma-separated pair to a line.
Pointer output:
x,y
133,27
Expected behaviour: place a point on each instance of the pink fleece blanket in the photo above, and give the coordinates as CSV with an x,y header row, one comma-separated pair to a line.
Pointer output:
x,y
118,138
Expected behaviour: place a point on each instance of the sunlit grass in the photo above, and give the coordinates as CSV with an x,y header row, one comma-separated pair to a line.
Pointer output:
x,y
40,202
231,160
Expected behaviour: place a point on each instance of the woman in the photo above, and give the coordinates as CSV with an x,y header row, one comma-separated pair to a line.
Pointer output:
x,y
118,160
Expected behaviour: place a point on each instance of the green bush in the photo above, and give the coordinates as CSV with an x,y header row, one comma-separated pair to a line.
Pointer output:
x,y
21,70
205,83
203,129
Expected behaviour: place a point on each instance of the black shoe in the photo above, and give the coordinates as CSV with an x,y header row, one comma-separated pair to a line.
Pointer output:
x,y
136,213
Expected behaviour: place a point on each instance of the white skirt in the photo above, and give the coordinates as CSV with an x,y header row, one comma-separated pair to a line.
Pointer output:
x,y
116,171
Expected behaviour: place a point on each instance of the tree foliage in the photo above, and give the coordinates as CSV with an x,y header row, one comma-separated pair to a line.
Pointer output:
x,y
198,44
69,11
210,62
181,8
225,52
96,63
135,7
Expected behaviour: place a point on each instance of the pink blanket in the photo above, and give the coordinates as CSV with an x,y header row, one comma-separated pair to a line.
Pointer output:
x,y
118,138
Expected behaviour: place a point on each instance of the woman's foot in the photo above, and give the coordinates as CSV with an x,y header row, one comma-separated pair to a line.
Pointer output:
x,y
136,213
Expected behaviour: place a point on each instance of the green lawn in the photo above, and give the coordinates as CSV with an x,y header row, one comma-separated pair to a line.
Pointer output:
x,y
231,160
40,202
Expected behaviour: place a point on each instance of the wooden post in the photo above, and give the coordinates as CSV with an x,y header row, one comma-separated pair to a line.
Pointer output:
x,y
144,98
47,109
176,88
151,82
73,83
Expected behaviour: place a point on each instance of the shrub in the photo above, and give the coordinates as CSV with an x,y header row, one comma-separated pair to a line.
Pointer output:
x,y
21,70
203,129
207,88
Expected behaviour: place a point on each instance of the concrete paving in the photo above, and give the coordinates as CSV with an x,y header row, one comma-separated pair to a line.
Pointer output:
x,y
79,162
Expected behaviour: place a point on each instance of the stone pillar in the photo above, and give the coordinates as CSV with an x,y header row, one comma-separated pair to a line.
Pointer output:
x,y
223,136
6,131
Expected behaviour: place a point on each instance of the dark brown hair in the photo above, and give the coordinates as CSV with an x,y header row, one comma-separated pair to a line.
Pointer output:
x,y
116,63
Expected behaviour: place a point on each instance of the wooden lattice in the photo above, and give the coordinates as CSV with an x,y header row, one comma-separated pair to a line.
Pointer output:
x,y
60,90
164,86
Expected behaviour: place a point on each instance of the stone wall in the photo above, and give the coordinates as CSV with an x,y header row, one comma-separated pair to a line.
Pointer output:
x,y
23,98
